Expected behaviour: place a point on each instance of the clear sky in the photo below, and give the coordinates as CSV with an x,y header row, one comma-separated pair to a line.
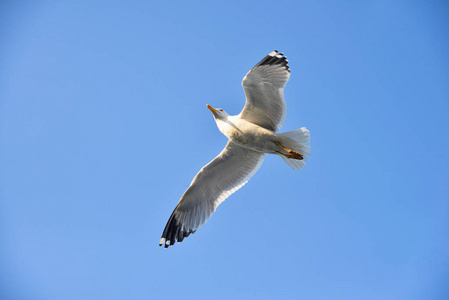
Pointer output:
x,y
104,124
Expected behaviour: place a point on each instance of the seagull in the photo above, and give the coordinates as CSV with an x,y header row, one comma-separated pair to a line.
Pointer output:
x,y
251,134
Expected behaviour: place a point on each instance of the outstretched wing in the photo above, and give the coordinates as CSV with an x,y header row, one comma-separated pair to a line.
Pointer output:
x,y
216,181
264,88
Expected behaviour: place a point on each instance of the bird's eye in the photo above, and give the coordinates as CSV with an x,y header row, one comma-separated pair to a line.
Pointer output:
x,y
221,110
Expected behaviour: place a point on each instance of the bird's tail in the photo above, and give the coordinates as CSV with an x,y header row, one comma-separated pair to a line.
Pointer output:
x,y
299,141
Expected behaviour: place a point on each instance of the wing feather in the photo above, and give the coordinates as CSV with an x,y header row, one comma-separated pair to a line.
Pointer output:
x,y
264,88
216,181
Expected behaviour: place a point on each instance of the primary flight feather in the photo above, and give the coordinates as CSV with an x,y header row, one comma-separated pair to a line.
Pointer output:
x,y
251,134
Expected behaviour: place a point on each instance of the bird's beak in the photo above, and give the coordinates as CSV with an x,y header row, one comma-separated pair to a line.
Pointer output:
x,y
213,110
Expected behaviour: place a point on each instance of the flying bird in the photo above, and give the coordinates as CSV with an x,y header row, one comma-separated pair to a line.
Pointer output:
x,y
251,134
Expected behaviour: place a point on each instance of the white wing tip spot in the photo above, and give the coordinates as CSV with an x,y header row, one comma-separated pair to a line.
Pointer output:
x,y
273,53
162,241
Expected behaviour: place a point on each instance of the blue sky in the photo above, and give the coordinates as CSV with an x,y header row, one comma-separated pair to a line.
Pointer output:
x,y
103,124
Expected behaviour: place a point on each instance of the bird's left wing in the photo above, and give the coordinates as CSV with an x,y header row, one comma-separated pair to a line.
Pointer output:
x,y
216,181
264,88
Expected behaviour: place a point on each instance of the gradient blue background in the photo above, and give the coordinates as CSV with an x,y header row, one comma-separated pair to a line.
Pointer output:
x,y
104,124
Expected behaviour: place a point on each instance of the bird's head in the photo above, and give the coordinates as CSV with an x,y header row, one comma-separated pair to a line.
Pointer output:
x,y
218,113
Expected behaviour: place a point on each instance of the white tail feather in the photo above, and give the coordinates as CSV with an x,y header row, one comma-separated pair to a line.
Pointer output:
x,y
297,140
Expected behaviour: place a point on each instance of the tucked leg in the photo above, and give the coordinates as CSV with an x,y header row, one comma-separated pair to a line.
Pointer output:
x,y
291,153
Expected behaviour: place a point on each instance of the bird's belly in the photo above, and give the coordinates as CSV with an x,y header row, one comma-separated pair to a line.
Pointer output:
x,y
262,142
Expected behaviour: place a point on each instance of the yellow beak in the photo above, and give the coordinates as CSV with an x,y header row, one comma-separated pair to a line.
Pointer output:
x,y
213,110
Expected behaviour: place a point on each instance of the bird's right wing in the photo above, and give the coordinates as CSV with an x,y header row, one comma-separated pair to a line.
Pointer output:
x,y
216,181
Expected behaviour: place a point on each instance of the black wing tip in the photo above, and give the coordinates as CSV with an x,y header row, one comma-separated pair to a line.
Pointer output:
x,y
173,233
167,242
275,58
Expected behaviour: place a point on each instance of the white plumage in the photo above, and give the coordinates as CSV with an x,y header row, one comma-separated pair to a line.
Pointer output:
x,y
251,134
